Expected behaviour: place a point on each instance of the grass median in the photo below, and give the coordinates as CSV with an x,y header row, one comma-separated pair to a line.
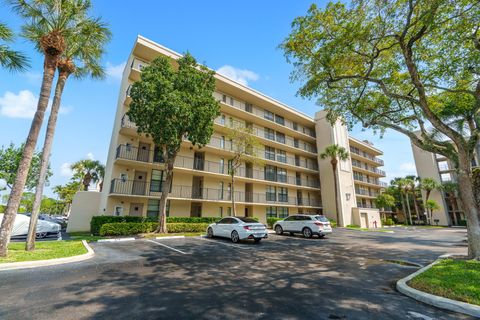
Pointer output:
x,y
450,278
44,250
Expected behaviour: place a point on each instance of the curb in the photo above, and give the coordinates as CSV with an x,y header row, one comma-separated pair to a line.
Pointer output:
x,y
170,237
439,302
50,262
116,240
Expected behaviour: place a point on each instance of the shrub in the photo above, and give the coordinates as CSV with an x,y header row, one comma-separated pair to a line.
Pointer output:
x,y
353,226
271,221
98,221
132,228
333,223
388,222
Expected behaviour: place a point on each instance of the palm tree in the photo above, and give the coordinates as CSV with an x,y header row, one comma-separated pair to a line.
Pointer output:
x,y
384,200
81,58
10,59
58,19
414,182
335,152
428,185
88,171
431,205
409,187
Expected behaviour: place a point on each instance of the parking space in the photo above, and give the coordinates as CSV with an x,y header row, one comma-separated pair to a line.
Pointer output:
x,y
348,275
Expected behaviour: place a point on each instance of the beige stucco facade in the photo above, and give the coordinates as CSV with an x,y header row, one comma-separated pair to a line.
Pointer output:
x,y
286,182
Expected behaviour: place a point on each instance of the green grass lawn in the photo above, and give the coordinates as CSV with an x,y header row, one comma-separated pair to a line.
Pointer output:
x,y
453,279
84,236
43,251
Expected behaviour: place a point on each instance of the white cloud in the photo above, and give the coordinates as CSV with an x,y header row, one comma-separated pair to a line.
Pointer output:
x,y
23,105
240,75
65,170
115,72
404,169
90,156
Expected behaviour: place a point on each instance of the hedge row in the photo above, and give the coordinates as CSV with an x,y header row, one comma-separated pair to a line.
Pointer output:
x,y
132,228
271,221
98,221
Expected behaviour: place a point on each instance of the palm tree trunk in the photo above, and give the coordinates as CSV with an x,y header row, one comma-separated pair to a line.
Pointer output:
x,y
408,209
232,194
416,208
47,148
162,219
403,205
335,185
50,65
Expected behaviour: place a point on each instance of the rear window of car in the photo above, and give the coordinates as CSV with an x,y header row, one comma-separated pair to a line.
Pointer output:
x,y
321,218
247,220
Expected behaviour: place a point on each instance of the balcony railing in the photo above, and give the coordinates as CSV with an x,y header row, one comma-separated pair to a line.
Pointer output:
x,y
366,155
261,133
374,170
153,189
375,182
127,123
366,193
259,112
366,206
137,154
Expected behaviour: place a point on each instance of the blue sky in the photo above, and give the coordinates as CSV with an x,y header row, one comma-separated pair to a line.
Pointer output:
x,y
240,38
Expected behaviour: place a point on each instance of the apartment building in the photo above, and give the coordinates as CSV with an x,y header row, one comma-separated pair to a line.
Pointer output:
x,y
289,179
439,168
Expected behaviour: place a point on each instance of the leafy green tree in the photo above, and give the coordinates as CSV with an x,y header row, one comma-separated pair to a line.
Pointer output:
x,y
385,200
244,147
10,158
334,153
58,19
10,59
170,105
88,171
81,58
431,205
67,192
396,65
429,185
402,188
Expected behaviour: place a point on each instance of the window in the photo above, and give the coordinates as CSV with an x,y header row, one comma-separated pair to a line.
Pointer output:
x,y
270,173
229,211
295,126
153,208
221,211
222,165
271,212
282,194
268,115
271,193
281,175
123,177
282,212
280,137
269,134
224,98
220,191
295,143
230,122
222,142
279,119
224,220
156,181
281,156
248,107
222,120
269,153
231,101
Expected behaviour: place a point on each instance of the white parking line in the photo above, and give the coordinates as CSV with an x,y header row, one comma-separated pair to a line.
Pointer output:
x,y
225,244
164,245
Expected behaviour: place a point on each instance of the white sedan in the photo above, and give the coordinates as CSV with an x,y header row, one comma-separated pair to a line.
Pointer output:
x,y
44,229
307,225
238,228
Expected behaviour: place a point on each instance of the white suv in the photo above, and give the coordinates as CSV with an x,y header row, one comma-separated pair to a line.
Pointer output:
x,y
308,225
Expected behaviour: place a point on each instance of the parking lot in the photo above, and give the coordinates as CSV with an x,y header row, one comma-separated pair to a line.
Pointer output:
x,y
349,275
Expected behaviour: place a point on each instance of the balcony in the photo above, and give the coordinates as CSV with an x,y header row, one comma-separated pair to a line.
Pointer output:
x,y
153,189
128,152
263,134
367,156
371,181
260,113
372,170
366,193
366,206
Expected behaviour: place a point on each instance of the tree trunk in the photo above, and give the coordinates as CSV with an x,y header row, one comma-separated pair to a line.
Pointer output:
x,y
47,148
416,207
469,205
403,206
429,214
86,181
50,64
408,209
335,185
162,218
232,194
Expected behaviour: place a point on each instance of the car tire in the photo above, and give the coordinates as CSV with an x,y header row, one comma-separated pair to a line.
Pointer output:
x,y
257,240
321,236
292,233
307,232
210,232
235,237
278,230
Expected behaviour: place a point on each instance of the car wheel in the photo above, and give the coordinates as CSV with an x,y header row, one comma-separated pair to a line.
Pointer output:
x,y
321,236
210,232
235,237
257,240
307,232
278,230
292,233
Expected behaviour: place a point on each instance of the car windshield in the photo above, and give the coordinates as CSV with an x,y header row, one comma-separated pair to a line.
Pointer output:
x,y
321,218
247,220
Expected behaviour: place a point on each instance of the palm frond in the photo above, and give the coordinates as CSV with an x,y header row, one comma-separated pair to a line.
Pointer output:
x,y
13,60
